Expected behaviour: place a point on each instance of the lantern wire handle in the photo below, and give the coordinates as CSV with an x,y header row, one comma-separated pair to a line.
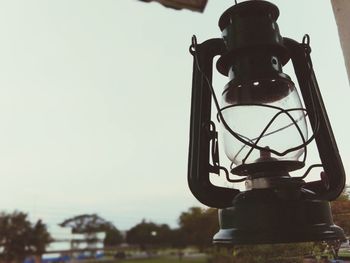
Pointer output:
x,y
270,123
242,139
255,146
277,130
250,142
308,170
193,51
222,119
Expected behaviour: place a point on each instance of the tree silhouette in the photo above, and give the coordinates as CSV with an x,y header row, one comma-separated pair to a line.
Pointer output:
x,y
19,238
86,223
89,225
147,234
199,226
341,212
113,237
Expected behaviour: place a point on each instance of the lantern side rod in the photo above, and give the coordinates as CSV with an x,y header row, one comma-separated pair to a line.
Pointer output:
x,y
331,186
199,167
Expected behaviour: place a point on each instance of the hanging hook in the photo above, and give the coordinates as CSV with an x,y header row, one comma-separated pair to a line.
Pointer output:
x,y
306,39
193,45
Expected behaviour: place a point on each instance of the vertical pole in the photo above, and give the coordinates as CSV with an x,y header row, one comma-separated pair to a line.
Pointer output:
x,y
341,10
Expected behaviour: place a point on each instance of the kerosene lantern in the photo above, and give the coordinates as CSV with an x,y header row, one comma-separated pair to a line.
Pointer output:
x,y
265,133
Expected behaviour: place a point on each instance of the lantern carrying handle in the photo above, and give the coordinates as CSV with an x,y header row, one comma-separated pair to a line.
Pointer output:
x,y
333,180
199,166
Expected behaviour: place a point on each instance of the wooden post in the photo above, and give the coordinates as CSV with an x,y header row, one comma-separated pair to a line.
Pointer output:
x,y
341,9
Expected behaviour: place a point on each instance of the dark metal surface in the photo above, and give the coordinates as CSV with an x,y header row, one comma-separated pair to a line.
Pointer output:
x,y
266,216
253,41
248,8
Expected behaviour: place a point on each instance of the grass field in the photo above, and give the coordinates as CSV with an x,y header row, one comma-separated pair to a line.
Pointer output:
x,y
165,260
156,259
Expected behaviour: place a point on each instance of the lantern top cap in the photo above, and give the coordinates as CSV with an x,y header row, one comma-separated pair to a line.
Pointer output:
x,y
248,8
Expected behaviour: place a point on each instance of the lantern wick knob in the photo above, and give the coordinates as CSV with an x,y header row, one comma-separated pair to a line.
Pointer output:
x,y
265,155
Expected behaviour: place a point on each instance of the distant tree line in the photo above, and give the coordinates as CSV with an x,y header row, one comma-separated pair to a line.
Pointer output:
x,y
196,228
20,238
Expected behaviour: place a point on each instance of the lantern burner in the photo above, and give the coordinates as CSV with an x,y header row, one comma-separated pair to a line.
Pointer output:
x,y
267,166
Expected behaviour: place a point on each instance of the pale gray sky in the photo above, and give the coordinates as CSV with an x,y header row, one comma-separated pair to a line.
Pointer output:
x,y
95,99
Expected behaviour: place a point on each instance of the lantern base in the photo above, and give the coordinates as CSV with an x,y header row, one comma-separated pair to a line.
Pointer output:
x,y
265,217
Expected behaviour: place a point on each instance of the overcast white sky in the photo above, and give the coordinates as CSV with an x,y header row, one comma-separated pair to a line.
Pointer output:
x,y
95,99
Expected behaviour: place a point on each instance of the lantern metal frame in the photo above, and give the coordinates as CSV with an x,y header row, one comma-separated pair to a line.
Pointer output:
x,y
203,134
302,206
